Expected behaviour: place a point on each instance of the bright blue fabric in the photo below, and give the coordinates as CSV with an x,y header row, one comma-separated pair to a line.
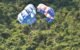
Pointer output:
x,y
49,20
50,12
28,20
41,11
27,16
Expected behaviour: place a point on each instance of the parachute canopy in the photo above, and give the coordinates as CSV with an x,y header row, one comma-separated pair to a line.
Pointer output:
x,y
27,15
47,11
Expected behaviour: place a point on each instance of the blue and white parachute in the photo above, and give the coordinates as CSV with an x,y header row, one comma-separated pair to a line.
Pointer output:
x,y
47,11
27,15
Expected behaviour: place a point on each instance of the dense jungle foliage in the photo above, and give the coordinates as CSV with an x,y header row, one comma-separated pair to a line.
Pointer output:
x,y
62,34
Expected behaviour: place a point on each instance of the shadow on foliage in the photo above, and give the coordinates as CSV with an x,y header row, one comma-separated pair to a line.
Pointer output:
x,y
26,30
38,40
69,4
5,35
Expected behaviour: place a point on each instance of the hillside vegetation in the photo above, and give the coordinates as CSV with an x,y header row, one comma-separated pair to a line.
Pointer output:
x,y
62,34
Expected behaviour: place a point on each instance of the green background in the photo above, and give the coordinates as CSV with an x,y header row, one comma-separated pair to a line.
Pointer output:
x,y
62,34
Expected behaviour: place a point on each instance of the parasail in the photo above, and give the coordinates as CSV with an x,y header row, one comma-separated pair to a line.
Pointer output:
x,y
27,15
47,11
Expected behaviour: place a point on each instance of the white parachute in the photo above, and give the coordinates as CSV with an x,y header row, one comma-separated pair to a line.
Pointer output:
x,y
27,15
